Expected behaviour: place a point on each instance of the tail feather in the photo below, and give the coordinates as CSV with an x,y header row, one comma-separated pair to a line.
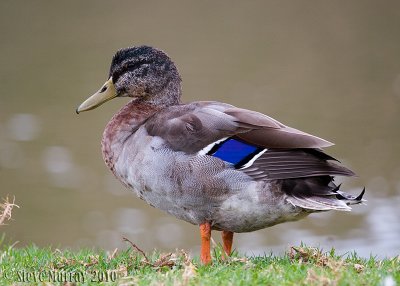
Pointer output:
x,y
319,194
319,203
350,199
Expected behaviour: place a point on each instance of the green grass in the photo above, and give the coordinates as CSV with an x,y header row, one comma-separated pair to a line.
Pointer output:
x,y
300,266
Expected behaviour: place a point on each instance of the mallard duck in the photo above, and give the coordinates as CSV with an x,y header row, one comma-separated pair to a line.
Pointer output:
x,y
210,163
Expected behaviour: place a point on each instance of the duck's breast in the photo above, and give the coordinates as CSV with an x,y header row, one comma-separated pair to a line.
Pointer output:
x,y
196,188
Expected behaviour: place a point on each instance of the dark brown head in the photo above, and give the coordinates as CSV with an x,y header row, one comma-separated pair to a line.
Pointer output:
x,y
139,72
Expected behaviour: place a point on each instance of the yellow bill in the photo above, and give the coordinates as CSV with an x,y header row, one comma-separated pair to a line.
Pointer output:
x,y
105,93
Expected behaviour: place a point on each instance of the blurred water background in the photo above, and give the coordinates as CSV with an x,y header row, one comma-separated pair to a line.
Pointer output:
x,y
330,68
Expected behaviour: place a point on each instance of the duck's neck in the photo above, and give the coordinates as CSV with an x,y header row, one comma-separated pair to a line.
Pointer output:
x,y
122,125
168,95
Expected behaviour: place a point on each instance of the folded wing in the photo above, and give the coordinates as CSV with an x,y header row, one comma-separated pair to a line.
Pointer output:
x,y
191,127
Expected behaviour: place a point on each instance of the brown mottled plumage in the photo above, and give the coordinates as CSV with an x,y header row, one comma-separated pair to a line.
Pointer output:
x,y
210,163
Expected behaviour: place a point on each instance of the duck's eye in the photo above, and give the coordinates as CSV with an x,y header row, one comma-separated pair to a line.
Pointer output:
x,y
103,89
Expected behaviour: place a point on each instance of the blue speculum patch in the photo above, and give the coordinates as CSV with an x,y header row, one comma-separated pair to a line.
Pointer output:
x,y
234,151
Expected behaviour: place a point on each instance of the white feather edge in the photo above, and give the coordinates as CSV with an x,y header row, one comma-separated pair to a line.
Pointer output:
x,y
248,164
208,148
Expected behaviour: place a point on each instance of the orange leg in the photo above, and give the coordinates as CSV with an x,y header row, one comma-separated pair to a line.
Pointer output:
x,y
205,233
227,239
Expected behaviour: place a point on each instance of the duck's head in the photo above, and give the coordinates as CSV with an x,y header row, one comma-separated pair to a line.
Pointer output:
x,y
140,72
